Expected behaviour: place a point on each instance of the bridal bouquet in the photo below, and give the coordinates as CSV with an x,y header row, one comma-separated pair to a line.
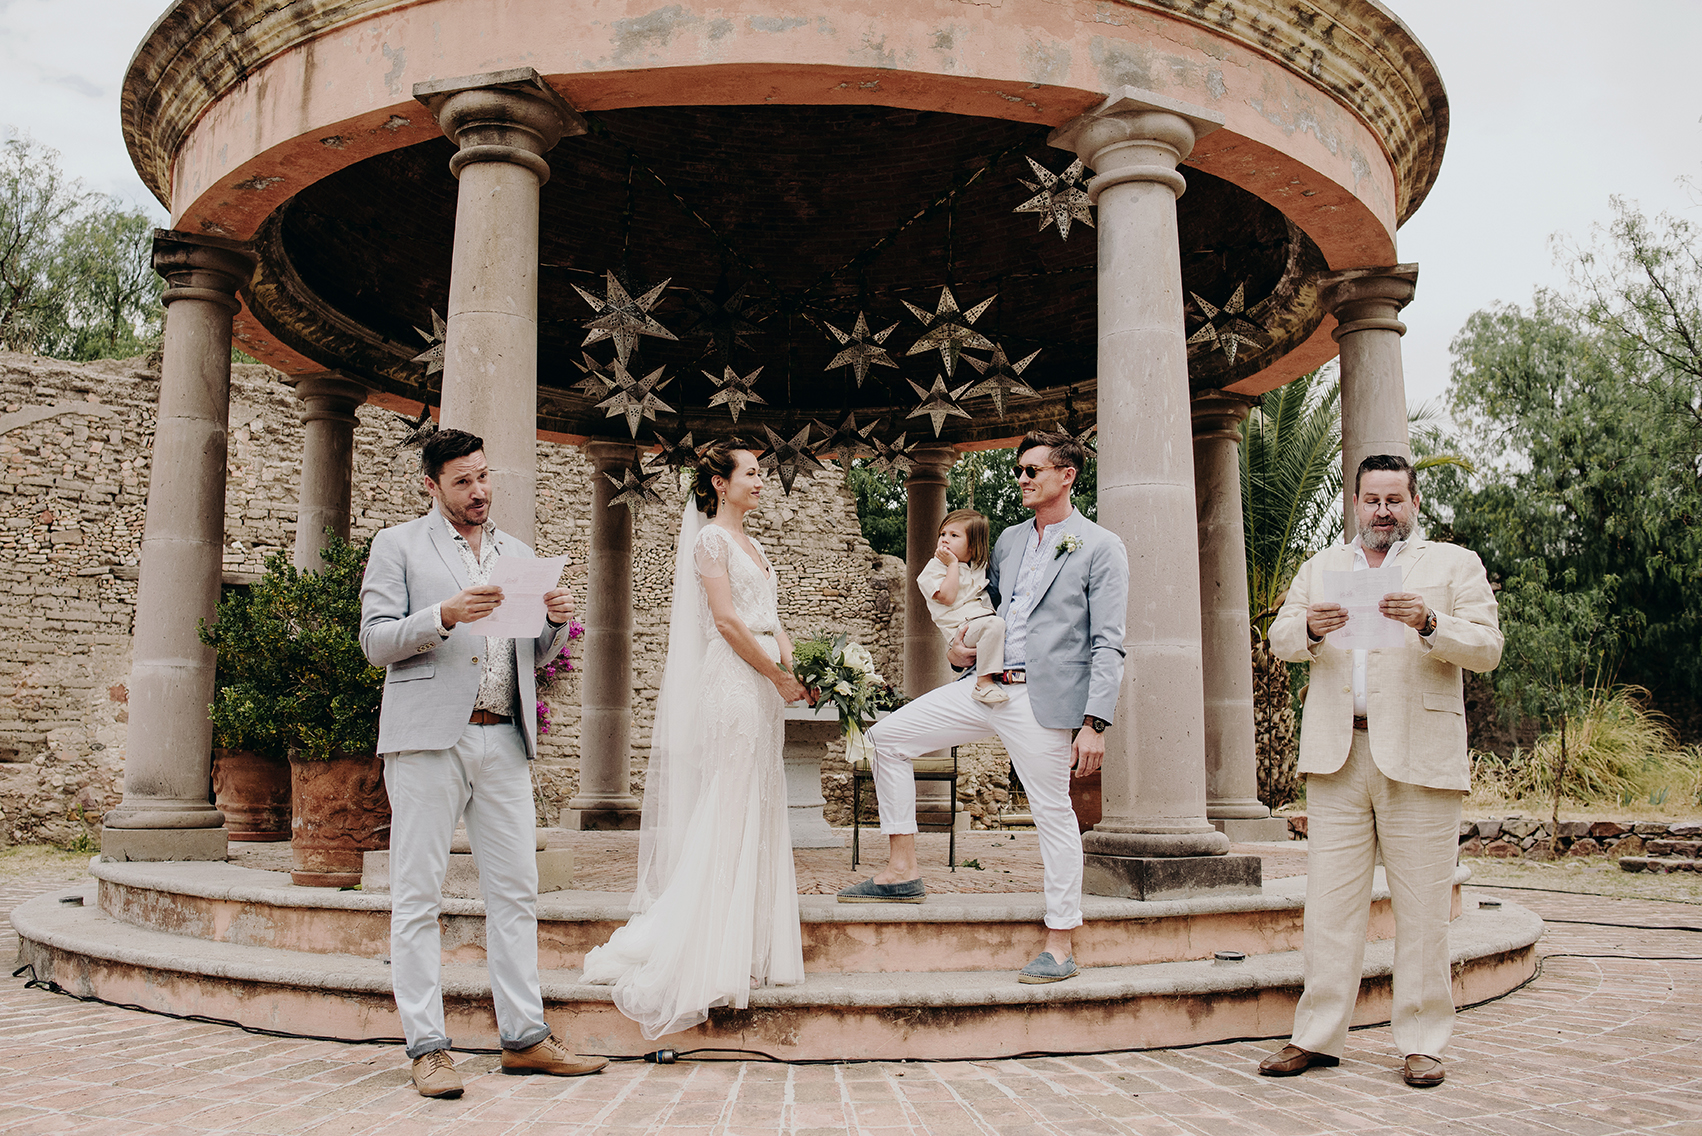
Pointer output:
x,y
839,671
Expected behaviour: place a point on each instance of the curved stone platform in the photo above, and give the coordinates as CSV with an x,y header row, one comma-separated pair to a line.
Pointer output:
x,y
238,944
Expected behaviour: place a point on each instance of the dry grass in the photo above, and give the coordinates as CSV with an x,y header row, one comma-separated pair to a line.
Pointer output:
x,y
1587,875
42,861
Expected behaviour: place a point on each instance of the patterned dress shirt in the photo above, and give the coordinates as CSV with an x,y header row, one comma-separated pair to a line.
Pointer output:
x,y
1024,595
498,683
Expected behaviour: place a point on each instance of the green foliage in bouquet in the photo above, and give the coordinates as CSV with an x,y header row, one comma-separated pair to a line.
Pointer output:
x,y
843,673
291,675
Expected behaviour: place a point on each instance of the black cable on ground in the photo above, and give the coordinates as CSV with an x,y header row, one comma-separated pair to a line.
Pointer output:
x,y
1593,894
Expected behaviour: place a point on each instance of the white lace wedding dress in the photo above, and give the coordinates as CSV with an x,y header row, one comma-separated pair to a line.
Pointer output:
x,y
717,899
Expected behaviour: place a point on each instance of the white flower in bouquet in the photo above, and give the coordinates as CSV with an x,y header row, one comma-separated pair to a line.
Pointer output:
x,y
843,687
857,657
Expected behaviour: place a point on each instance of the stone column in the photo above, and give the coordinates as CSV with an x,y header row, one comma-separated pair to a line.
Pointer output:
x,y
1154,840
327,462
504,122
1232,763
1365,302
925,665
605,799
168,757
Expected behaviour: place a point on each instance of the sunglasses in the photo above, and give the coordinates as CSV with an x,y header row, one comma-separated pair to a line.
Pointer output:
x,y
1029,471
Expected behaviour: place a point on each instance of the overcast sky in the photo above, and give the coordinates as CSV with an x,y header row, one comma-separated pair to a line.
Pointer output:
x,y
1557,105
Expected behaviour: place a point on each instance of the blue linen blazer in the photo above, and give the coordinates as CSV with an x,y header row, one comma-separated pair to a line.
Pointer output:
x,y
431,682
1076,627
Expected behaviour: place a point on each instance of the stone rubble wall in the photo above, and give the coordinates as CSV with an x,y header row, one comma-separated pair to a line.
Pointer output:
x,y
1509,838
75,444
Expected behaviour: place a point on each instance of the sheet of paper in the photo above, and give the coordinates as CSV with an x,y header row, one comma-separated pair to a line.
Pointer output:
x,y
521,614
1360,592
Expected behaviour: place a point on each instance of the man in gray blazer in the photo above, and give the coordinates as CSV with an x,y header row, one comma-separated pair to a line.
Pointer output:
x,y
1065,583
458,731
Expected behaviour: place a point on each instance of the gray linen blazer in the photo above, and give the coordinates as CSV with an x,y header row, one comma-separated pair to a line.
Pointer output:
x,y
1075,630
431,681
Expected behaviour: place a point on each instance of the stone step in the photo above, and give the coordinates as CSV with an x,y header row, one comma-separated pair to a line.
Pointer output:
x,y
912,1016
1659,864
950,932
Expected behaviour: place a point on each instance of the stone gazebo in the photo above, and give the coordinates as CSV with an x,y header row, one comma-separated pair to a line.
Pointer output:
x,y
337,172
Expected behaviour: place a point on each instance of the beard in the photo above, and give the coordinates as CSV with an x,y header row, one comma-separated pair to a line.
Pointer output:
x,y
1381,540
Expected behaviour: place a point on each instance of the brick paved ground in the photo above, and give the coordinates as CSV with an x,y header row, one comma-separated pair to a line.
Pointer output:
x,y
1604,1040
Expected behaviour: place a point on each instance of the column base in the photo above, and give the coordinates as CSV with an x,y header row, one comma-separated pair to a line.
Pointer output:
x,y
1243,830
1171,877
600,819
154,844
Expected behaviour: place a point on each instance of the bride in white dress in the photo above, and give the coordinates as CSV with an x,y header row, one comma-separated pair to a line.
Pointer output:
x,y
717,900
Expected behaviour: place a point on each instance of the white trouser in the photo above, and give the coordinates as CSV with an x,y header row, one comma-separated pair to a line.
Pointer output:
x,y
485,778
1350,814
948,716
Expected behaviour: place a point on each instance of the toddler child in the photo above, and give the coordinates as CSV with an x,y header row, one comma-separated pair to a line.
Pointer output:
x,y
955,585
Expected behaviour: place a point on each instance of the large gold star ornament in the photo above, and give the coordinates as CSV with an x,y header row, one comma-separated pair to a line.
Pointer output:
x,y
938,403
635,398
1228,327
1000,378
599,380
848,443
633,487
676,453
947,329
432,356
622,318
861,348
789,457
892,457
1059,198
735,392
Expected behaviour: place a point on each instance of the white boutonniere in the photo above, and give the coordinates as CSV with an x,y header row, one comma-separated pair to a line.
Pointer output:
x,y
1069,543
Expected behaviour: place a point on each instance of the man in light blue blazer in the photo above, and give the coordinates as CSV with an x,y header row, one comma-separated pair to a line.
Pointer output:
x,y
1065,588
457,730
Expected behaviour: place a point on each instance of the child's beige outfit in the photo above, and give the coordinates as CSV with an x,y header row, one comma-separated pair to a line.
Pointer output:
x,y
985,630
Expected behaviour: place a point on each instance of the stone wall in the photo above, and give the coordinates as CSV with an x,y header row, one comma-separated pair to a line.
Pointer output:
x,y
1517,837
75,441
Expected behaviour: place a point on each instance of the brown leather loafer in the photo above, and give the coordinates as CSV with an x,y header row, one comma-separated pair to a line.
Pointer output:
x,y
1291,1060
1422,1072
552,1057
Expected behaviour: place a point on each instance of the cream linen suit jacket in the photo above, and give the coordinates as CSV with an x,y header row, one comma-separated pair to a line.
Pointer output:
x,y
1416,711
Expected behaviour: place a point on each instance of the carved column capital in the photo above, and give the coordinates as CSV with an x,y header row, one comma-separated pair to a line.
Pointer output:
x,y
933,464
500,116
1368,299
199,267
1219,414
1136,135
329,397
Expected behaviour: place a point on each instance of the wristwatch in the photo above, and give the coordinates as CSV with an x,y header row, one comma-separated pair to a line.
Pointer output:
x,y
1429,627
1097,725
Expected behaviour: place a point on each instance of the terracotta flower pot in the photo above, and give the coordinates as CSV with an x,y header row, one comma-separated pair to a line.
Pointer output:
x,y
341,811
254,794
1085,798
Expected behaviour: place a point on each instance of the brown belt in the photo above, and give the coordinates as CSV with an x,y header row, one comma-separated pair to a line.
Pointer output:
x,y
489,718
1360,723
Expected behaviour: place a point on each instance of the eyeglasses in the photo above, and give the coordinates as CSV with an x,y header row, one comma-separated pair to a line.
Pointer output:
x,y
1029,471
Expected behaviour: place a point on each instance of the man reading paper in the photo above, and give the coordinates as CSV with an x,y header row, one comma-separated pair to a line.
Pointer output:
x,y
1383,748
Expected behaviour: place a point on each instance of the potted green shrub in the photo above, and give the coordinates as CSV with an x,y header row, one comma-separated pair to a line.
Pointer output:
x,y
323,697
251,769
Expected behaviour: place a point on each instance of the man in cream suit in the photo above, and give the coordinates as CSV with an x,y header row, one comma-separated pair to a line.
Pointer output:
x,y
1383,748
1065,583
457,731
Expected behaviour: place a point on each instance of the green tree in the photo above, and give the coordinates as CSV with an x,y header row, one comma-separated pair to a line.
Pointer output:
x,y
36,205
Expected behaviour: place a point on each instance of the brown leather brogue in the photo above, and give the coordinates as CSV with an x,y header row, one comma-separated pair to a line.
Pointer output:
x,y
1422,1071
1291,1061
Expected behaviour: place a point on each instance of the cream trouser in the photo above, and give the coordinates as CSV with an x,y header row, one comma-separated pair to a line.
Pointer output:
x,y
948,716
1351,814
485,778
987,635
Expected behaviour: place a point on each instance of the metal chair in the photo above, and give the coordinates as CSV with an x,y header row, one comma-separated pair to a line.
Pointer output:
x,y
926,769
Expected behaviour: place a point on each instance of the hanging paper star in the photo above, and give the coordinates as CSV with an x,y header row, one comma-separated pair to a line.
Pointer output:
x,y
848,443
1229,327
948,329
634,488
599,380
675,453
1001,378
789,457
432,356
723,320
635,398
622,318
419,430
735,391
861,348
892,458
938,403
1058,198
1088,439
